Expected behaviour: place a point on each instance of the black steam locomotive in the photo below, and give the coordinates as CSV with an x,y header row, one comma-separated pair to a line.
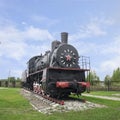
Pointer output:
x,y
56,73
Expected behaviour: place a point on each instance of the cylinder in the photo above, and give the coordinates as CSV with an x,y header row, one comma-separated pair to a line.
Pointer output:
x,y
64,37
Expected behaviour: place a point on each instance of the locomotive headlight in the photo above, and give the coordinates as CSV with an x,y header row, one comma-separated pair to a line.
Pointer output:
x,y
67,56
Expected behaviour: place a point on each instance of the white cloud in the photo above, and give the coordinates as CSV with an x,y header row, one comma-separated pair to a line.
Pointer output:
x,y
110,65
113,47
15,42
15,50
16,72
37,34
103,20
109,57
94,28
107,67
105,57
17,46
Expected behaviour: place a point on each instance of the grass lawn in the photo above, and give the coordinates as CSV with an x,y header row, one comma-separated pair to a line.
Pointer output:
x,y
15,107
106,93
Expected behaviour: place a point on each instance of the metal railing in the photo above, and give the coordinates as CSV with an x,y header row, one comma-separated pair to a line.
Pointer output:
x,y
84,62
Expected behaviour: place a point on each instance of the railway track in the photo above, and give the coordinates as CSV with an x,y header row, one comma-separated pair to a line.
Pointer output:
x,y
54,100
58,101
48,105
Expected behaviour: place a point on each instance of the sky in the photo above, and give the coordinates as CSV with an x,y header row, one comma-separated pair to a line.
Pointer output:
x,y
27,28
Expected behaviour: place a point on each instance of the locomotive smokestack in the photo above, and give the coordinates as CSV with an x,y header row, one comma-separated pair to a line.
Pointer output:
x,y
64,37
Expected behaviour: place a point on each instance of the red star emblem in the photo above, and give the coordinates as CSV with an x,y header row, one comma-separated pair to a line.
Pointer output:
x,y
68,57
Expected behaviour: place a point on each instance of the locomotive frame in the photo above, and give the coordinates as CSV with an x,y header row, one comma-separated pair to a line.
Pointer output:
x,y
57,73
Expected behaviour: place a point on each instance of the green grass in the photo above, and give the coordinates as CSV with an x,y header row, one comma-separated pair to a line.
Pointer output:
x,y
105,93
15,107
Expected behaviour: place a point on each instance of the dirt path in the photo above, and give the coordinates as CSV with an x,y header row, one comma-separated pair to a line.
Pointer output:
x,y
102,97
3,88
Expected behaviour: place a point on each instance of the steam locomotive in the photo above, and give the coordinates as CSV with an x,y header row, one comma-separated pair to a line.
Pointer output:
x,y
56,73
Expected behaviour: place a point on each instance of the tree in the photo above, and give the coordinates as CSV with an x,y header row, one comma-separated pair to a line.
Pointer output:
x,y
107,79
11,79
94,79
116,75
18,79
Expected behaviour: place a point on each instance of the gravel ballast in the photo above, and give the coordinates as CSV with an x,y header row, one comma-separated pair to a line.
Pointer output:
x,y
47,107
